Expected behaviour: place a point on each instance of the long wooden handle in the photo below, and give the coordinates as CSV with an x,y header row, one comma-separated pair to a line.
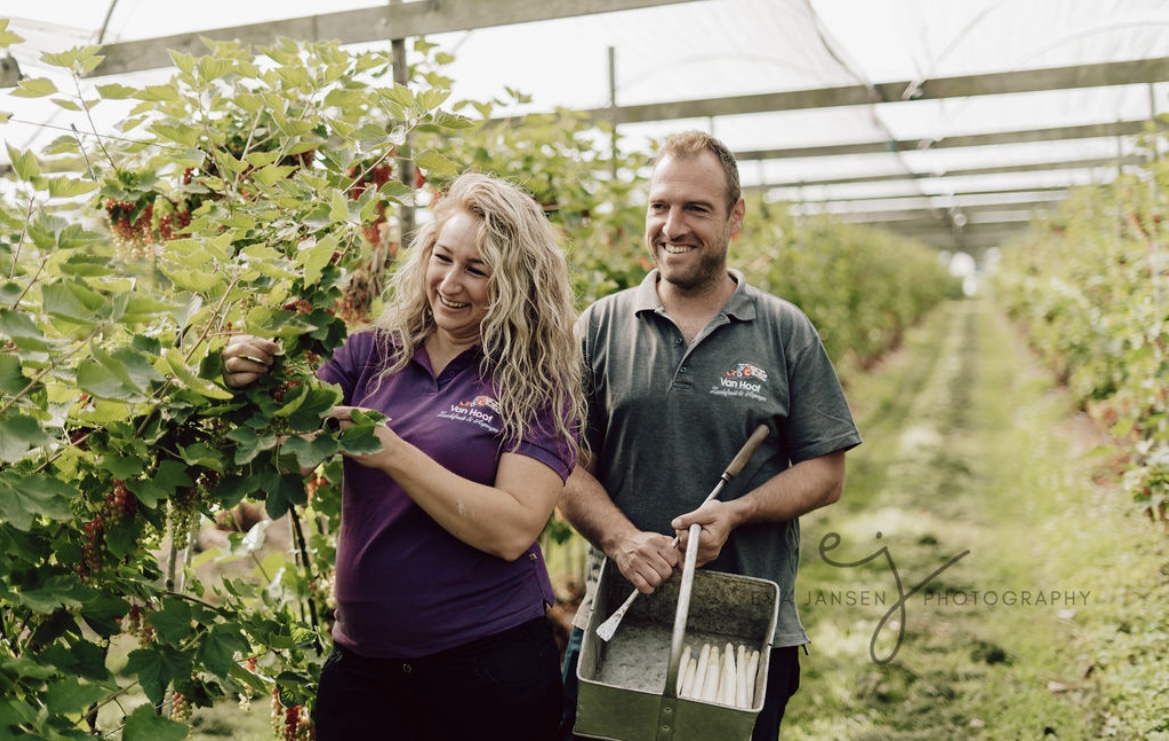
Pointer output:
x,y
745,453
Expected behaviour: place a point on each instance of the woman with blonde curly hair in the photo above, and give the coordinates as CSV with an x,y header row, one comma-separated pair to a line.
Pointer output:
x,y
441,587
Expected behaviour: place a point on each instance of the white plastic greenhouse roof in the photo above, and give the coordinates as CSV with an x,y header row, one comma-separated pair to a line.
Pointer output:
x,y
950,120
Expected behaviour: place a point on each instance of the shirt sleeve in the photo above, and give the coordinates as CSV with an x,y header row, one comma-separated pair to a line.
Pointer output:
x,y
820,421
543,444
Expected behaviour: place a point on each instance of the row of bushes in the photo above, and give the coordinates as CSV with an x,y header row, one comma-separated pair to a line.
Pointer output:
x,y
1090,288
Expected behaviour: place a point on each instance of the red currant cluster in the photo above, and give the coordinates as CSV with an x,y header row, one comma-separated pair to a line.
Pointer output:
x,y
291,723
120,504
133,624
375,176
180,708
245,697
166,223
300,306
90,564
131,224
280,390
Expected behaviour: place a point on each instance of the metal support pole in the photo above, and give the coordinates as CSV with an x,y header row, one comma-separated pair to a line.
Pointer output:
x,y
405,163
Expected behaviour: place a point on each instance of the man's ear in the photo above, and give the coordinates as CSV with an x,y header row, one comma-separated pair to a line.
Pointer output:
x,y
738,211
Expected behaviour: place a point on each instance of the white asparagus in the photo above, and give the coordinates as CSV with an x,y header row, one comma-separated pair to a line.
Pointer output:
x,y
688,680
730,674
700,672
710,682
723,679
752,673
741,684
682,669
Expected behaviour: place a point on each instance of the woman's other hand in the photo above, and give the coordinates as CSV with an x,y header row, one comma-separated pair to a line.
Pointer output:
x,y
246,358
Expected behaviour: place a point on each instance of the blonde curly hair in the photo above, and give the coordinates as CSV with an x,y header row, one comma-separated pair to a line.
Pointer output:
x,y
527,336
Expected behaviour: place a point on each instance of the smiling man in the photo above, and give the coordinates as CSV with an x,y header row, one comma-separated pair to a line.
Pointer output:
x,y
680,370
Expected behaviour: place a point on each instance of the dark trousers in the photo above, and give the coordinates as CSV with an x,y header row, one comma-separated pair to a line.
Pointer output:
x,y
783,679
506,687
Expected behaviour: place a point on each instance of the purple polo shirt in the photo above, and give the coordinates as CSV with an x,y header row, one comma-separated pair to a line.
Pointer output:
x,y
405,587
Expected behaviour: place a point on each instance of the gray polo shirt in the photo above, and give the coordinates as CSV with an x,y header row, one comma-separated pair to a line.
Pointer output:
x,y
665,419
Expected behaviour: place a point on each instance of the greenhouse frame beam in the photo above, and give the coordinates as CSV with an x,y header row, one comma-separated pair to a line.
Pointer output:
x,y
926,215
838,198
380,23
1085,164
1024,136
1141,71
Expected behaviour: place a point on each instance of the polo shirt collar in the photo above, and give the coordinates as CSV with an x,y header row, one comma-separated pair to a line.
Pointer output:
x,y
457,364
739,306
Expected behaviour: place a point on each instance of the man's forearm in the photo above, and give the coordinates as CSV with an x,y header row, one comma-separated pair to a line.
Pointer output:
x,y
590,510
804,487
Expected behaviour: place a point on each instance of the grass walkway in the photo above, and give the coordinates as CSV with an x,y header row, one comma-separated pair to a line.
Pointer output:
x,y
1032,603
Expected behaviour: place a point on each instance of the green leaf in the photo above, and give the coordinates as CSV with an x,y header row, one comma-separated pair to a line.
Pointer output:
x,y
310,453
13,713
20,329
168,478
176,364
172,622
156,667
249,444
24,497
185,62
71,301
12,378
116,91
24,164
204,456
158,93
18,435
135,369
124,467
435,163
315,257
212,68
145,725
360,440
37,87
70,187
338,207
185,135
79,59
186,278
8,38
399,94
73,236
220,646
70,695
56,592
99,381
81,658
102,612
284,491
43,230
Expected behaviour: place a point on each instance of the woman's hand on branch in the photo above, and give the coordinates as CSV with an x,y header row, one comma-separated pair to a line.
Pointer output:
x,y
246,358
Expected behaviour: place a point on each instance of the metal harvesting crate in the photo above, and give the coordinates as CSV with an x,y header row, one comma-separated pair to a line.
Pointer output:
x,y
627,689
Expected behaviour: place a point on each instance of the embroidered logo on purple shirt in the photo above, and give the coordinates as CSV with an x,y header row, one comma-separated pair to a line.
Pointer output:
x,y
481,410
